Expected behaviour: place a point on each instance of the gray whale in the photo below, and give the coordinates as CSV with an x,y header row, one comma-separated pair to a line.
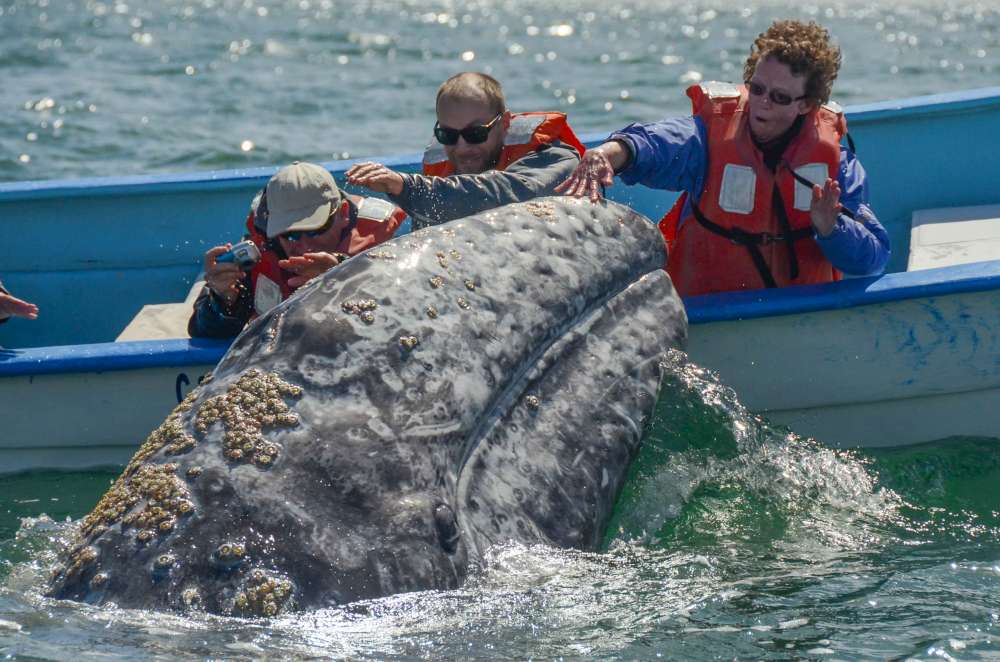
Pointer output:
x,y
482,381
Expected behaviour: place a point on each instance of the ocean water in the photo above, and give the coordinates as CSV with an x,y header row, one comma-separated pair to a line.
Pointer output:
x,y
119,87
732,538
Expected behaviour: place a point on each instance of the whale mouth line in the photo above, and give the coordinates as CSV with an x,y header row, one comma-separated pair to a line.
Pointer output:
x,y
508,393
505,397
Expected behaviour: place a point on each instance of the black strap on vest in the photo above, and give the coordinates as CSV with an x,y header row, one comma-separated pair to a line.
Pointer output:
x,y
778,204
752,241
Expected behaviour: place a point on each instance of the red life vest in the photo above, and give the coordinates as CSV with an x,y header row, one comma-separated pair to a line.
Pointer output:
x,y
527,132
377,222
737,238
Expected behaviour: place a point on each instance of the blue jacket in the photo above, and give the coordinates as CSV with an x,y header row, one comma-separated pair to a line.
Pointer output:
x,y
673,154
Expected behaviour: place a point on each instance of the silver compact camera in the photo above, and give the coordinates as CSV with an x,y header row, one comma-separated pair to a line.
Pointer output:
x,y
244,254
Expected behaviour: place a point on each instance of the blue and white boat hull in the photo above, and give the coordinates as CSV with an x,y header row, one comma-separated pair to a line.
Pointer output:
x,y
904,358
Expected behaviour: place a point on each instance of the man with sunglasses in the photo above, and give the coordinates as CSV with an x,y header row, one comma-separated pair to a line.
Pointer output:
x,y
485,156
770,197
302,226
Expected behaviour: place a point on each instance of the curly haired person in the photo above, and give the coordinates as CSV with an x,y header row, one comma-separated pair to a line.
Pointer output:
x,y
770,196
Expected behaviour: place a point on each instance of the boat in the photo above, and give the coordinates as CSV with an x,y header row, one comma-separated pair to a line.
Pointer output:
x,y
904,358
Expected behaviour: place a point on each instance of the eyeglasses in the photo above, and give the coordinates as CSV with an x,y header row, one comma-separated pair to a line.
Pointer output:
x,y
298,235
474,135
776,97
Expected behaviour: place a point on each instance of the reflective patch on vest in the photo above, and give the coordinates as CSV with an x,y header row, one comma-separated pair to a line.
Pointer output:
x,y
267,295
739,184
834,107
376,209
716,89
814,172
522,128
434,153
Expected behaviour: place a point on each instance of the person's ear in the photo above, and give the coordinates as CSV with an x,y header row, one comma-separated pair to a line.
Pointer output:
x,y
806,106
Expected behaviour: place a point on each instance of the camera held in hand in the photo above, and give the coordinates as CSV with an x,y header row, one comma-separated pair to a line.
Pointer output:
x,y
244,254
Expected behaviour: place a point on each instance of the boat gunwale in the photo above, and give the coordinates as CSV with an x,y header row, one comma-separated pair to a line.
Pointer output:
x,y
844,294
214,180
704,309
111,356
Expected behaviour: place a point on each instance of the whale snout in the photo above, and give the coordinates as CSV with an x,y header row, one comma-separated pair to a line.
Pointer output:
x,y
475,383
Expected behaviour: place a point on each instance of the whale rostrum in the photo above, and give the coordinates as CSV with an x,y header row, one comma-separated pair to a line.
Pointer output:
x,y
482,381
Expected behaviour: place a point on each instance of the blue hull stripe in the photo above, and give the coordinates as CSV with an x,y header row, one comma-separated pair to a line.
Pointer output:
x,y
104,357
750,304
110,356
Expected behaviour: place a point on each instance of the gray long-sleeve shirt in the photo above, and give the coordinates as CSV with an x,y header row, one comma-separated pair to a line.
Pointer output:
x,y
434,200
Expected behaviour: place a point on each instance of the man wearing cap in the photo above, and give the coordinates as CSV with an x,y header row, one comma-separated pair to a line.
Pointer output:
x,y
483,157
302,225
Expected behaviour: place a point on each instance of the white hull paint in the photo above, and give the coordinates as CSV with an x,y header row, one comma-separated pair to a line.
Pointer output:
x,y
887,374
86,419
884,423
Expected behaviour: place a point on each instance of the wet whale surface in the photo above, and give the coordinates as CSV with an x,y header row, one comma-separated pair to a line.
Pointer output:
x,y
473,383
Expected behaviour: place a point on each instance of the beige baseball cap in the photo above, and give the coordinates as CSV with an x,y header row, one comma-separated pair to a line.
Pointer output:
x,y
300,196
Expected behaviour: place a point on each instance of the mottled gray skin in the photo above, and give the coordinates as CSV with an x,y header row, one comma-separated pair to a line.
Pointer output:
x,y
514,419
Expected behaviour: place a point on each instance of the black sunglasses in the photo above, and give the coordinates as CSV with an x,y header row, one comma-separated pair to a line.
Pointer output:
x,y
776,97
474,135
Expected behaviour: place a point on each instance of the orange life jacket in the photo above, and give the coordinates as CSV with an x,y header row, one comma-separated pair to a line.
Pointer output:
x,y
737,237
527,132
377,222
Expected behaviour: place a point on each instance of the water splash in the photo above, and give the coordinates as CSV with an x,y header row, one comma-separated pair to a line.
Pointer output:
x,y
712,471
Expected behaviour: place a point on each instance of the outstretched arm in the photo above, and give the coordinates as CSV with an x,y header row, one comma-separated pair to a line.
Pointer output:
x,y
671,154
433,200
375,177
